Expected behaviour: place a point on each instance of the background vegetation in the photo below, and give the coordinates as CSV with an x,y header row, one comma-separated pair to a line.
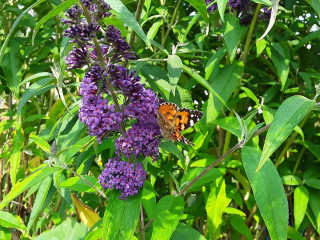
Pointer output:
x,y
206,61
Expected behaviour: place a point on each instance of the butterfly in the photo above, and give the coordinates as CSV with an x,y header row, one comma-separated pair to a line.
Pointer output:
x,y
172,121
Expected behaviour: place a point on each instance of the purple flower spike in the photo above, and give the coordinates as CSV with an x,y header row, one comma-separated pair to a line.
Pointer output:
x,y
125,176
103,81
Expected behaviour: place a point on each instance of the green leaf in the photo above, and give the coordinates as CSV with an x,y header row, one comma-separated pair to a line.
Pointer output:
x,y
225,84
261,45
313,182
14,160
5,233
239,224
60,8
154,29
41,143
149,199
11,65
230,124
185,232
222,7
95,231
268,192
39,202
168,212
28,182
291,180
16,22
294,235
250,94
215,206
170,147
126,16
212,67
287,117
8,220
210,176
232,34
174,66
280,56
222,87
301,198
68,230
34,90
121,216
315,4
314,202
234,211
79,185
306,39
190,25
203,82
201,7
274,10
34,77
312,147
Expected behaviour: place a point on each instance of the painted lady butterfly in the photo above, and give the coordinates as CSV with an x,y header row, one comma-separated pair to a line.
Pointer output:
x,y
173,120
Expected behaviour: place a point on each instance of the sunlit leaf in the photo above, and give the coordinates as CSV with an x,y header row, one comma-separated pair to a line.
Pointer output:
x,y
288,116
168,212
268,192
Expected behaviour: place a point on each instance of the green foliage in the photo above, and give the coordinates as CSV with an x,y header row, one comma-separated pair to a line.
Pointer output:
x,y
253,172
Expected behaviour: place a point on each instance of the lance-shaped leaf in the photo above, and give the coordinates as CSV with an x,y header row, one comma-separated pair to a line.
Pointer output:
x,y
56,10
8,220
121,216
268,192
126,16
222,7
40,199
68,230
200,6
215,206
27,183
301,198
168,213
174,66
287,117
232,34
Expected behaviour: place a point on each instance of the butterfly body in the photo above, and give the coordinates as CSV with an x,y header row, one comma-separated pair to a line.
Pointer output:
x,y
173,120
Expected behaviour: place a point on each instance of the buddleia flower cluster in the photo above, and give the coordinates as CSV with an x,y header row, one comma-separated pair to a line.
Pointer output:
x,y
133,120
244,8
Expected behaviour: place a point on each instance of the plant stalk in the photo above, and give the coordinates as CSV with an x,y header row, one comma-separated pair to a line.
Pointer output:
x,y
137,16
171,23
244,61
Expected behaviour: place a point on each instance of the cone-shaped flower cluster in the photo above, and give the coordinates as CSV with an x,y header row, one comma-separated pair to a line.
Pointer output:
x,y
104,80
244,8
125,176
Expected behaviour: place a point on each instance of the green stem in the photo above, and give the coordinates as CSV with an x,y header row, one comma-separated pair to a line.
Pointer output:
x,y
244,61
250,34
298,161
171,23
138,15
